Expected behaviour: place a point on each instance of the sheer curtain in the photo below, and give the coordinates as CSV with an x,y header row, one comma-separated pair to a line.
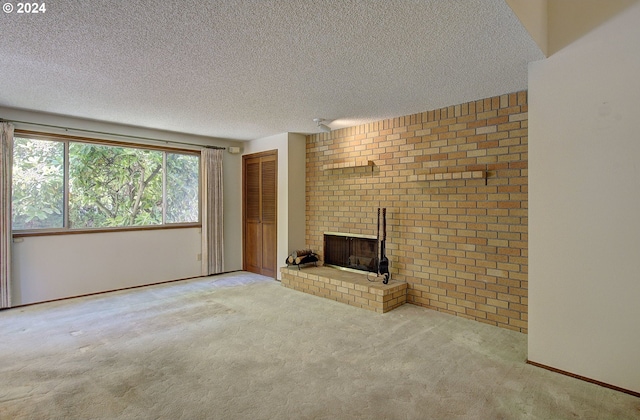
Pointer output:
x,y
212,217
6,159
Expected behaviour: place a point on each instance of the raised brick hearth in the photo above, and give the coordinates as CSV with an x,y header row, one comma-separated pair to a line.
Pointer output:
x,y
347,287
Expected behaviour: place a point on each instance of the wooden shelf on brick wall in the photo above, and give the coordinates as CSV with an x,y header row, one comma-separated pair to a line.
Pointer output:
x,y
356,163
446,176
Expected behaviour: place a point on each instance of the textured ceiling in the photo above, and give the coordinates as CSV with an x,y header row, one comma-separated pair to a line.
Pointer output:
x,y
248,69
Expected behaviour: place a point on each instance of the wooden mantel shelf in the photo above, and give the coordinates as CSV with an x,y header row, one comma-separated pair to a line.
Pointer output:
x,y
354,163
445,176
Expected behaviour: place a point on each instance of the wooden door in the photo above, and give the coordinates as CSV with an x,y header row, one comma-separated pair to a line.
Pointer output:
x,y
260,180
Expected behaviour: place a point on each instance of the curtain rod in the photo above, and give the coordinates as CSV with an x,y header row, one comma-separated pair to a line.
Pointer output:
x,y
113,134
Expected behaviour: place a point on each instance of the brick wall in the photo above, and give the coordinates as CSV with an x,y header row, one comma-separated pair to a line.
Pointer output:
x,y
454,182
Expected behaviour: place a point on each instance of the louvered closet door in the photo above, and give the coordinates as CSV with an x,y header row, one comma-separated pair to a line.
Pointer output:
x,y
269,233
252,237
260,213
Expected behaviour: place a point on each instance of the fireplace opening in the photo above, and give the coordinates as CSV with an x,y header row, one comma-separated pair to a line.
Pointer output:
x,y
352,252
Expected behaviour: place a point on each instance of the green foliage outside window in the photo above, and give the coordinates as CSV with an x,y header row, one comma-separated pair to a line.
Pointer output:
x,y
109,186
183,174
114,186
38,184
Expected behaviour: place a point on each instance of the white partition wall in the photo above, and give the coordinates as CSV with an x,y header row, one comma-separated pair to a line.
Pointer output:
x,y
584,198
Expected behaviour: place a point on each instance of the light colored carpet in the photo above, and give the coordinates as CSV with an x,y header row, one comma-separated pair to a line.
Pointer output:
x,y
241,346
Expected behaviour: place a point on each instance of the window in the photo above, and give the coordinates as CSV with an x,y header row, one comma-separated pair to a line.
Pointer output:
x,y
182,188
114,186
105,186
38,184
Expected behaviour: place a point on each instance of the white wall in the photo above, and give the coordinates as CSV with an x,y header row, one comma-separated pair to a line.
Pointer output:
x,y
584,198
52,267
291,177
297,185
533,15
569,20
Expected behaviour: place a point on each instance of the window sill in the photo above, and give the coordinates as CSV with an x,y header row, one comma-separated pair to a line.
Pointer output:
x,y
54,232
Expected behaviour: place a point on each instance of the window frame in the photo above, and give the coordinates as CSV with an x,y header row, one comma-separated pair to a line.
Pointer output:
x,y
66,230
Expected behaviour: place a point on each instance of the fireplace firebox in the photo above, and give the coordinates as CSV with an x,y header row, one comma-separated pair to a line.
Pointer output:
x,y
352,252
